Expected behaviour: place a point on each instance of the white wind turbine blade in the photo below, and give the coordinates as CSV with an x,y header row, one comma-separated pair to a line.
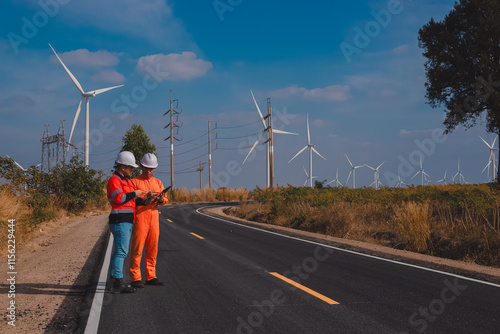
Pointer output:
x,y
314,150
348,177
77,84
369,167
284,132
305,171
302,150
489,163
254,144
350,163
99,91
484,141
380,165
17,164
415,174
76,118
308,135
258,109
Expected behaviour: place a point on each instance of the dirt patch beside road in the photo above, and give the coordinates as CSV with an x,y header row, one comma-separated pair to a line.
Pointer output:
x,y
456,267
53,272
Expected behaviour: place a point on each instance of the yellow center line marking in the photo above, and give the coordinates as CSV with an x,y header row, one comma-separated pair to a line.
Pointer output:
x,y
196,235
169,220
306,289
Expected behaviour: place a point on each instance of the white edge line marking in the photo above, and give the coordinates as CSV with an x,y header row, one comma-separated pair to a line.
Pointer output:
x,y
352,252
95,310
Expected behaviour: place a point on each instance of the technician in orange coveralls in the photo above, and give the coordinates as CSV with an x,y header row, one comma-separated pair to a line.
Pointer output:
x,y
146,230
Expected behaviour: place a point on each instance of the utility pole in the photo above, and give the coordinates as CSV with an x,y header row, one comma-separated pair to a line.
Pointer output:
x,y
210,154
271,147
200,170
172,135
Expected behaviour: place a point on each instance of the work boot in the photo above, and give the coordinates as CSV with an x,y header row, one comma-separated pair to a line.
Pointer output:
x,y
137,284
154,281
120,287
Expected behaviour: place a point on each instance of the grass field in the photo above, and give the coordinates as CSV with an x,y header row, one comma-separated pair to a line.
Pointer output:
x,y
454,221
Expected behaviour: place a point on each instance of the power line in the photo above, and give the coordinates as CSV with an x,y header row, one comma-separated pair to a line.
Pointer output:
x,y
238,137
236,126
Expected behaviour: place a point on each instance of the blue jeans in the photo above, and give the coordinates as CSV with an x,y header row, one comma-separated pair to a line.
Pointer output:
x,y
121,234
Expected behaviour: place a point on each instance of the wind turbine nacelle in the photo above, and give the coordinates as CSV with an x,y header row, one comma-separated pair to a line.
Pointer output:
x,y
90,94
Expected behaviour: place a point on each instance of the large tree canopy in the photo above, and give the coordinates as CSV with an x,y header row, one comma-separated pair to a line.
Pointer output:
x,y
137,141
463,64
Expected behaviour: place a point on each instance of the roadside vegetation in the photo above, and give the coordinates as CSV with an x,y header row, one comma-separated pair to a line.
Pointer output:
x,y
33,197
460,222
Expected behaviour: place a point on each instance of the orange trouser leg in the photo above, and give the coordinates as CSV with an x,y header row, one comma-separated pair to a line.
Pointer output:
x,y
152,250
139,235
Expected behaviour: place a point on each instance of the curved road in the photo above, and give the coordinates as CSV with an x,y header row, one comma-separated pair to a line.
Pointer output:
x,y
222,277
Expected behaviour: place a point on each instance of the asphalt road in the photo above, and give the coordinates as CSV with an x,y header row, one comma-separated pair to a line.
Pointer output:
x,y
221,277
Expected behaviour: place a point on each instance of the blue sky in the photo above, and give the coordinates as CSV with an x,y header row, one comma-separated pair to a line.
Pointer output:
x,y
364,92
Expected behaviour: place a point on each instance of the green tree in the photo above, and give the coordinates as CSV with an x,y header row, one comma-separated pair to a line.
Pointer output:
x,y
463,64
137,141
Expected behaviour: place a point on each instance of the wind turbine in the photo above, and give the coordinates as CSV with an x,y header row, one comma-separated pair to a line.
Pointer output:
x,y
400,183
492,160
421,171
444,178
85,97
311,150
307,175
376,179
353,172
337,182
461,178
269,141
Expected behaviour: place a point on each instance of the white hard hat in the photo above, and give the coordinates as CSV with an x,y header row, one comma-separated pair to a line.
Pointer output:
x,y
149,160
126,158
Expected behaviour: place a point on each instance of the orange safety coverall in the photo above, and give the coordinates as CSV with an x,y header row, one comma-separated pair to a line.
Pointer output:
x,y
146,230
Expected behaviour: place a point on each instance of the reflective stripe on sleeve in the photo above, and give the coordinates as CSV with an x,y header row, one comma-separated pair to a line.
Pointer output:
x,y
122,211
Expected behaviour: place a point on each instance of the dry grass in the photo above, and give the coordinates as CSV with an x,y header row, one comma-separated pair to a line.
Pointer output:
x,y
445,228
414,224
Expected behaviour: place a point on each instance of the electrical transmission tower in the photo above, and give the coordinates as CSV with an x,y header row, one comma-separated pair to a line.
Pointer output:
x,y
60,153
173,124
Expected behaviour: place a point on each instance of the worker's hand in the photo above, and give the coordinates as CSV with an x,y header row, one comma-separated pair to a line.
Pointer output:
x,y
150,197
138,193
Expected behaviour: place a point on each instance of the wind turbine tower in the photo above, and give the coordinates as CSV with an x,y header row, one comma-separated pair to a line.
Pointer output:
x,y
311,150
492,158
421,171
85,98
353,172
376,178
267,130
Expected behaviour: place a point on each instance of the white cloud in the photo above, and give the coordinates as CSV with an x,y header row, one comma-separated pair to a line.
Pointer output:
x,y
85,58
411,133
151,20
329,93
401,49
174,66
109,76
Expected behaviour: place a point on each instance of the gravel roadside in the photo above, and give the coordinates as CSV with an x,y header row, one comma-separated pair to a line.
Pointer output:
x,y
53,272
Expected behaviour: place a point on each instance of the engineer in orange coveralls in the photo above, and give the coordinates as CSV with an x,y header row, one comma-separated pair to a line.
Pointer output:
x,y
146,230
